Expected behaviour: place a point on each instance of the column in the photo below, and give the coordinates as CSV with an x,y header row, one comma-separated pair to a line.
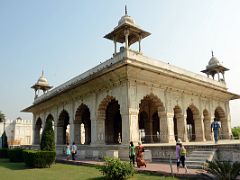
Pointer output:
x,y
126,33
72,139
166,127
223,76
100,129
199,134
139,43
115,46
34,130
207,128
59,135
93,129
71,122
185,133
181,127
77,134
130,127
55,125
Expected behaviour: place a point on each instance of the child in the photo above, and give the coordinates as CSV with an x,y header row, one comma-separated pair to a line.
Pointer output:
x,y
183,153
68,151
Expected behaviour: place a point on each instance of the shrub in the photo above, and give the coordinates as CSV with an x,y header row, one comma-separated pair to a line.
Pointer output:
x,y
4,153
39,159
47,141
4,140
236,132
223,170
15,155
115,169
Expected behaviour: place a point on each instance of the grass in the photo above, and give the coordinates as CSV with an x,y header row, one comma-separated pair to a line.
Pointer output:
x,y
12,171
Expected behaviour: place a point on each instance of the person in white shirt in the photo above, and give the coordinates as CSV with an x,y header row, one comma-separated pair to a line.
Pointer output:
x,y
73,150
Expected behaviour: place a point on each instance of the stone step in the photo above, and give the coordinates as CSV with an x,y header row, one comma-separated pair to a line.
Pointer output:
x,y
196,158
195,162
199,155
194,166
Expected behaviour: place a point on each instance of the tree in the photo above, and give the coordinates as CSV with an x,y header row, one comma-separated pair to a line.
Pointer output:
x,y
2,117
4,140
47,141
224,169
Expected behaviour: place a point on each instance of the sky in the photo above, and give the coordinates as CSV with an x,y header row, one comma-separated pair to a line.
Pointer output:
x,y
65,39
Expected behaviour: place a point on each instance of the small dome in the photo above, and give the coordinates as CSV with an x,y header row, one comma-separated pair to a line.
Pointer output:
x,y
213,61
126,19
42,81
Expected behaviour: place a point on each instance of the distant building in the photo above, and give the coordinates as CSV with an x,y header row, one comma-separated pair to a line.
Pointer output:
x,y
131,97
18,131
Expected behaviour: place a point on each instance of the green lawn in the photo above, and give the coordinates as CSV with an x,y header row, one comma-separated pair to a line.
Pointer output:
x,y
12,171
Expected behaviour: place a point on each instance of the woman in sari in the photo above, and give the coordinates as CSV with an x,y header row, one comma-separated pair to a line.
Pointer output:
x,y
139,155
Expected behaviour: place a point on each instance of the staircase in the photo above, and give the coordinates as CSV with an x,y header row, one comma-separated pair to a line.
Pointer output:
x,y
196,159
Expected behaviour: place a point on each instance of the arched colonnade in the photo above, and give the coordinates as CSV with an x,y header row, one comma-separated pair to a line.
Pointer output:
x,y
154,123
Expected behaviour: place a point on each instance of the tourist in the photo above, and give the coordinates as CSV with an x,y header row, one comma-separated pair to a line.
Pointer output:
x,y
215,126
139,154
68,151
183,153
178,153
132,153
73,150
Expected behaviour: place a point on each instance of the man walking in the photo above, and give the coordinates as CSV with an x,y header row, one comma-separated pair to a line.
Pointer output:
x,y
73,150
215,126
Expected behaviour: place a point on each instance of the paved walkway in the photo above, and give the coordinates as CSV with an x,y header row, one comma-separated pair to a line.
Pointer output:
x,y
155,168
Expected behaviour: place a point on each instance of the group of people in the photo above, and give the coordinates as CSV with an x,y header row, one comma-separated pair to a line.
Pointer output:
x,y
181,151
181,155
71,151
136,153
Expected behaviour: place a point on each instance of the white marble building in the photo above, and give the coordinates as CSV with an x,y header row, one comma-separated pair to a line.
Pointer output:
x,y
131,97
18,131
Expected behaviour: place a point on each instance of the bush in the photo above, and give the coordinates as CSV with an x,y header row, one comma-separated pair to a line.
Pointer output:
x,y
15,155
116,169
236,132
4,153
39,159
47,141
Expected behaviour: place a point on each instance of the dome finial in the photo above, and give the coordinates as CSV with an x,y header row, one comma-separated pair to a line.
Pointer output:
x,y
212,53
125,9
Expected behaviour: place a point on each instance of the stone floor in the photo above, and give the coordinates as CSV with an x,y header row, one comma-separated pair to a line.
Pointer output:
x,y
155,168
162,168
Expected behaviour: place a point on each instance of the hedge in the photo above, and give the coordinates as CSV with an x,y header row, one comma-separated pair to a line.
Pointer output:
x,y
4,153
15,155
39,159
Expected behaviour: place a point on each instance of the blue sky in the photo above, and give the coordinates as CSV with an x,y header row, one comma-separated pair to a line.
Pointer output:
x,y
65,38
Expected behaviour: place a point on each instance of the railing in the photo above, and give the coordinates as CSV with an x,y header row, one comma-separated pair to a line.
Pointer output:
x,y
190,137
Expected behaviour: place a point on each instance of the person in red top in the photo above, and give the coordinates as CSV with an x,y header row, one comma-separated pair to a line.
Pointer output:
x,y
139,155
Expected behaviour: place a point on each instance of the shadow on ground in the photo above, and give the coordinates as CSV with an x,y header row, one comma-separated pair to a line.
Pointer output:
x,y
11,165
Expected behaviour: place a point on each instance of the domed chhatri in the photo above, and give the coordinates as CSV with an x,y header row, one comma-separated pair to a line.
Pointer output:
x,y
126,32
215,67
41,84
